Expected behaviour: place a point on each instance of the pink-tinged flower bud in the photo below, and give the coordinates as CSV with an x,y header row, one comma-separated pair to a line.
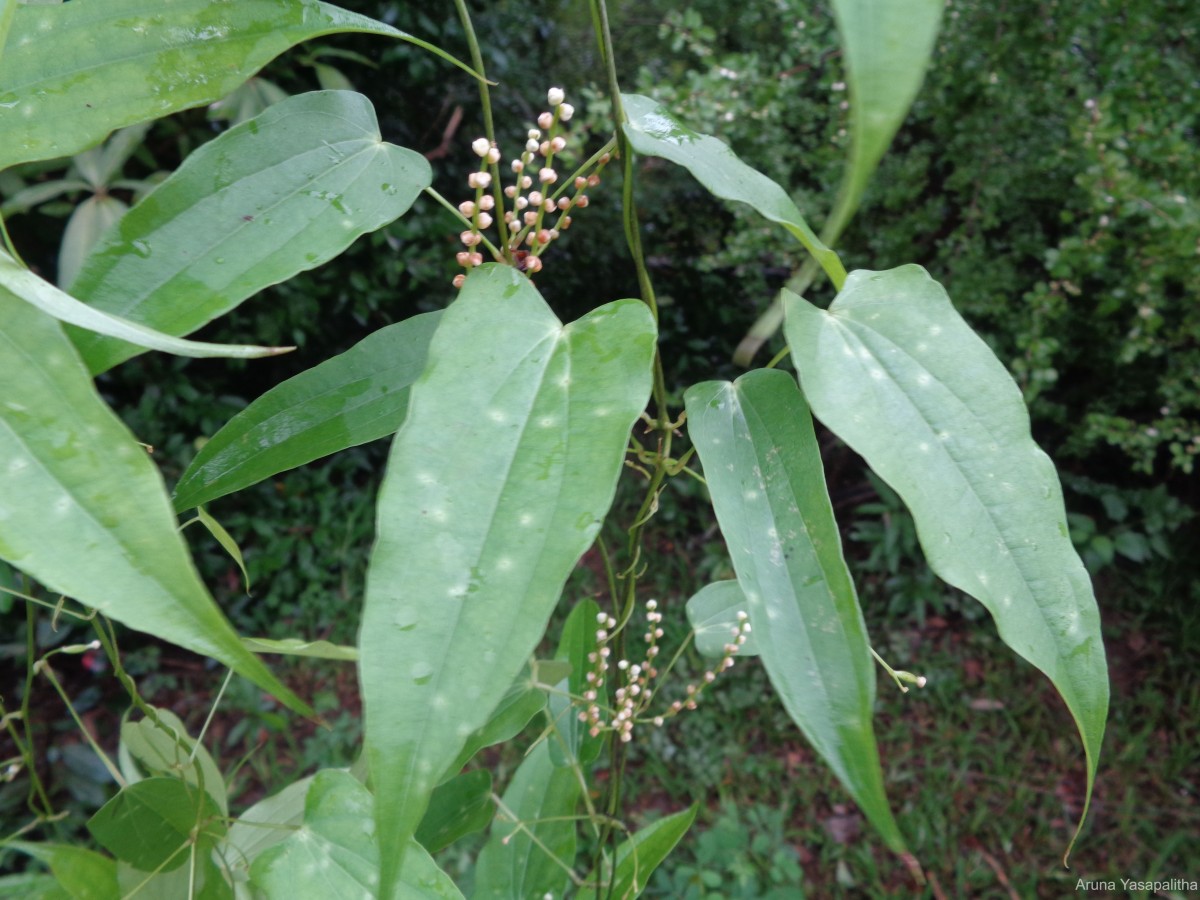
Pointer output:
x,y
468,238
546,119
554,234
565,111
545,238
581,201
526,181
580,182
530,217
555,96
593,180
479,179
604,159
481,146
558,144
535,197
487,201
518,166
521,203
477,259
510,191
459,280
547,176
544,148
467,208
564,223
508,217
463,258
493,155
564,202
533,264
548,205
485,220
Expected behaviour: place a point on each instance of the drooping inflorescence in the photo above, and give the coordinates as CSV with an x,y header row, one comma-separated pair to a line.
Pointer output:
x,y
534,211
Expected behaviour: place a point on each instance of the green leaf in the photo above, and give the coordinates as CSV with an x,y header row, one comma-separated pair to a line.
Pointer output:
x,y
337,841
571,744
117,62
712,613
460,806
887,48
225,539
91,219
523,700
298,647
18,282
83,874
763,467
82,508
268,822
532,842
652,131
167,749
149,824
497,483
282,193
353,398
895,372
640,854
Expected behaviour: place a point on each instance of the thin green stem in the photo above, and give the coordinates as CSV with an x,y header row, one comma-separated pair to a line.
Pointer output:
x,y
42,666
489,127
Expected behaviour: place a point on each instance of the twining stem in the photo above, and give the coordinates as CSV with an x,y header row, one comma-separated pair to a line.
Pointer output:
x,y
489,127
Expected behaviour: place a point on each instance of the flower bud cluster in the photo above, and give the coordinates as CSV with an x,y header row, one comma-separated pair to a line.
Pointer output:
x,y
537,212
632,697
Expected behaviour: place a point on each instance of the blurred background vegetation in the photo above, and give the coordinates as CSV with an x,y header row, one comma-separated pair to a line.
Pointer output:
x,y
1048,176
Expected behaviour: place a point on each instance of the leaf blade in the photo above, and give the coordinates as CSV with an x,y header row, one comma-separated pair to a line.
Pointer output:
x,y
282,193
537,454
119,62
892,369
75,477
764,472
358,396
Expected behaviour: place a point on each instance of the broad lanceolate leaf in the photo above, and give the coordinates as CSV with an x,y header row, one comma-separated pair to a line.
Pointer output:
x,y
82,508
523,700
640,854
165,748
284,192
72,73
763,467
900,377
887,49
537,804
713,614
17,281
157,823
336,845
460,806
83,874
497,484
353,398
652,131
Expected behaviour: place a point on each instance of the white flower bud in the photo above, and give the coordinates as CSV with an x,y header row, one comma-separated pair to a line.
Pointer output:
x,y
526,181
487,201
558,144
555,96
546,119
531,145
521,203
547,176
533,134
467,208
535,197
518,166
493,155
565,111
481,146
485,220
479,179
